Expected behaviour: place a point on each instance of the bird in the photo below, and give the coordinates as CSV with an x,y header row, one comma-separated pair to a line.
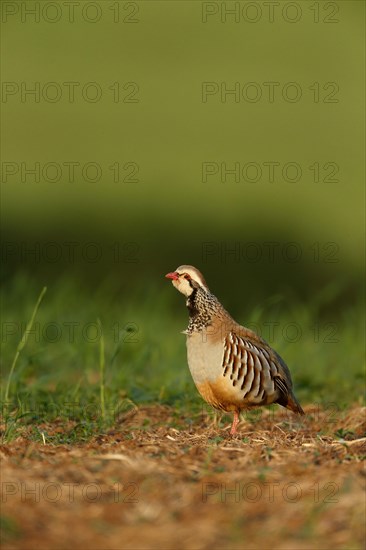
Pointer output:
x,y
232,367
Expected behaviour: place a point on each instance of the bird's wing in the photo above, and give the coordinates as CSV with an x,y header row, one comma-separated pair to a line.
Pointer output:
x,y
258,370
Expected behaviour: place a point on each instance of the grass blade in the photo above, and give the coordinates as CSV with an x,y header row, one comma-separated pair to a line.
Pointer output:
x,y
23,341
101,370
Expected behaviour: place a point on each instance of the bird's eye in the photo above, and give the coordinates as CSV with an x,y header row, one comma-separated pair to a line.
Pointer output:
x,y
186,276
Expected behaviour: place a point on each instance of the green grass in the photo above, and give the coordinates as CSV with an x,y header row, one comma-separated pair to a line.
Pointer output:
x,y
9,529
93,356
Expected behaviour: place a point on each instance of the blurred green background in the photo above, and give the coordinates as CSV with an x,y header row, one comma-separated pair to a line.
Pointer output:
x,y
161,131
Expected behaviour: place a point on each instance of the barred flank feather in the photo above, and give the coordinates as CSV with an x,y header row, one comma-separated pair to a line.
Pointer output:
x,y
259,373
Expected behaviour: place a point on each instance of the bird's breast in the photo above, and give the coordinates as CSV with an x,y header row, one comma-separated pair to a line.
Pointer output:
x,y
204,357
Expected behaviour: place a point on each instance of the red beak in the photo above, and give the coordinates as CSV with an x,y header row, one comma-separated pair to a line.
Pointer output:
x,y
174,276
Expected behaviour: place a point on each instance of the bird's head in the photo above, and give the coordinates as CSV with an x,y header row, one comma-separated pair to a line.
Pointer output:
x,y
187,279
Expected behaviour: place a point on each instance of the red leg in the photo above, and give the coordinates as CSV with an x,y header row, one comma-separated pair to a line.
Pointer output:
x,y
235,423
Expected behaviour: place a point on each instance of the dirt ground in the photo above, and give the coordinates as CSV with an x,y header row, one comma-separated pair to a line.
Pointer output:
x,y
161,480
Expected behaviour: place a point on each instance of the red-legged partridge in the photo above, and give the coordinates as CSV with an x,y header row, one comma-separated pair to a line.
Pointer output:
x,y
232,367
